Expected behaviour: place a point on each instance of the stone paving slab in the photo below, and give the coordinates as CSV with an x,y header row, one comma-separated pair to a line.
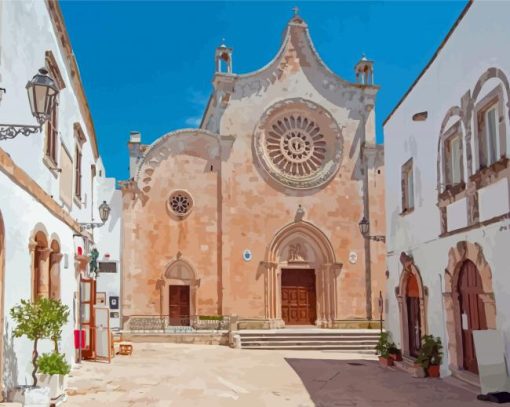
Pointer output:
x,y
164,374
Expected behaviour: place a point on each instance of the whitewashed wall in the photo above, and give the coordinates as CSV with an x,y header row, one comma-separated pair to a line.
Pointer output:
x,y
108,242
478,43
26,33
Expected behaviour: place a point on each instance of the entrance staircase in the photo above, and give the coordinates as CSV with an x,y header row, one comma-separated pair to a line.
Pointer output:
x,y
339,340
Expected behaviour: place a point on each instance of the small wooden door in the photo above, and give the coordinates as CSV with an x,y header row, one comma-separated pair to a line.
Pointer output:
x,y
87,316
472,312
179,300
298,297
413,315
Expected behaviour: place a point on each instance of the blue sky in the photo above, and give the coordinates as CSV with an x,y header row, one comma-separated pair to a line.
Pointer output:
x,y
148,66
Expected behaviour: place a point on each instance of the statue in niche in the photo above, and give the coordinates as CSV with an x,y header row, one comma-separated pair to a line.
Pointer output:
x,y
296,253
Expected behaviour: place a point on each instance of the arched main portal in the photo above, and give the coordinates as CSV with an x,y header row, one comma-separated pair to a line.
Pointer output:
x,y
469,302
300,274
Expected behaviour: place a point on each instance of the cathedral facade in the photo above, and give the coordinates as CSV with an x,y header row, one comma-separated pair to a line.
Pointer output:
x,y
256,213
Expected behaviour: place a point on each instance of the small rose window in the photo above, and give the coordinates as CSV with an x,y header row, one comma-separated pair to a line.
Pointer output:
x,y
180,203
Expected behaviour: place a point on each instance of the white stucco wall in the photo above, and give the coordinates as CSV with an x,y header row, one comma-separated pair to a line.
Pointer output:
x,y
478,43
108,240
26,33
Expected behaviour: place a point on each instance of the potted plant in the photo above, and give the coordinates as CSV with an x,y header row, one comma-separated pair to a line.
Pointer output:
x,y
31,319
395,353
431,355
52,370
383,349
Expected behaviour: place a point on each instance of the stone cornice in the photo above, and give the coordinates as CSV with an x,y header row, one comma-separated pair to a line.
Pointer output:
x,y
25,182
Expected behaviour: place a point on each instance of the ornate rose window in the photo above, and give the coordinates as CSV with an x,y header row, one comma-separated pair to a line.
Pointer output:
x,y
298,143
180,203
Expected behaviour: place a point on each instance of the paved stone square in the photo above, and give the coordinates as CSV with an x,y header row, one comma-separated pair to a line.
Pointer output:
x,y
161,374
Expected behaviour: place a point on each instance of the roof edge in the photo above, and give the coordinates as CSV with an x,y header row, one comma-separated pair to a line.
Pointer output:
x,y
64,41
424,70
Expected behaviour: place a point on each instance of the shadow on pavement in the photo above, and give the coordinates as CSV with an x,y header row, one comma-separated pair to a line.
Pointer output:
x,y
363,383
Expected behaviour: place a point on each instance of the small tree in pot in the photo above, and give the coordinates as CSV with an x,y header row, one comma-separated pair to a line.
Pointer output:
x,y
431,355
383,349
31,319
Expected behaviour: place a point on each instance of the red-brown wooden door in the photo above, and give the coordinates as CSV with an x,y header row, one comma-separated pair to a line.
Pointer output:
x,y
413,315
298,297
472,311
179,305
87,302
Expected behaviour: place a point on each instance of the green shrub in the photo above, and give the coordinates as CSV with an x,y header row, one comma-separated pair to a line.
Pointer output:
x,y
430,352
53,363
210,318
385,345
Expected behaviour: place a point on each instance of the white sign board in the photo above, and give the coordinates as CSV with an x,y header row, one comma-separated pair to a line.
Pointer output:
x,y
490,354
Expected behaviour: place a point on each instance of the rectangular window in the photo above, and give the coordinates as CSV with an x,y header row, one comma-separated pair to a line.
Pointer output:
x,y
77,174
492,136
453,158
52,134
407,186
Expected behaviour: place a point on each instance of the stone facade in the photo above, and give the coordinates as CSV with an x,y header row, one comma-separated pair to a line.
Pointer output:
x,y
277,177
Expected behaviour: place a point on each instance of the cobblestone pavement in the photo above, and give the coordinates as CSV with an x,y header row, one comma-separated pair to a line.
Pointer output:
x,y
160,374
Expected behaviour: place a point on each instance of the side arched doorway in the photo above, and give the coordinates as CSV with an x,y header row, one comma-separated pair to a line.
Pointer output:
x,y
300,277
413,315
412,299
469,302
472,311
178,293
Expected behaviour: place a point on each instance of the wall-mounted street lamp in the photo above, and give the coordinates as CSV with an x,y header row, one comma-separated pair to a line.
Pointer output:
x,y
364,228
104,213
42,92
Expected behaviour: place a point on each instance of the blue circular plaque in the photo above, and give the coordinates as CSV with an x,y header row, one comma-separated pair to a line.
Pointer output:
x,y
247,256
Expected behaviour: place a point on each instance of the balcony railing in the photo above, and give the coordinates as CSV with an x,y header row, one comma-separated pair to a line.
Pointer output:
x,y
182,324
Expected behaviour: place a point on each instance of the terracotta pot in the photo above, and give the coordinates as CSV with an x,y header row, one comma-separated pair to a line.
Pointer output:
x,y
418,370
385,361
397,357
433,371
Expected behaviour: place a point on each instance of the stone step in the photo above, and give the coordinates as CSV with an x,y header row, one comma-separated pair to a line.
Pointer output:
x,y
309,340
345,349
308,345
325,334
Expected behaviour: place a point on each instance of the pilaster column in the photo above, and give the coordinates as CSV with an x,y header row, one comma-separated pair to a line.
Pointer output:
x,y
43,273
54,278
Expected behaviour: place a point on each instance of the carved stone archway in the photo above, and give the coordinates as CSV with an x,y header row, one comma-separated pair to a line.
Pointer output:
x,y
456,257
409,271
301,245
178,272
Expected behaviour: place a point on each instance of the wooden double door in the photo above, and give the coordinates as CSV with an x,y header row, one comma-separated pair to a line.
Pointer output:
x,y
298,297
179,305
472,312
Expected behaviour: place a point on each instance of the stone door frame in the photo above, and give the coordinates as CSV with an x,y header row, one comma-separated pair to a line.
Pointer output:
x,y
178,272
456,256
324,263
409,268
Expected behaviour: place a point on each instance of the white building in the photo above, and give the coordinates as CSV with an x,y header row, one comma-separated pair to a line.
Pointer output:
x,y
49,181
447,193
